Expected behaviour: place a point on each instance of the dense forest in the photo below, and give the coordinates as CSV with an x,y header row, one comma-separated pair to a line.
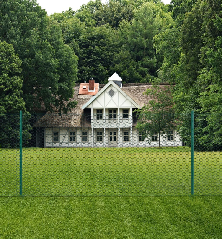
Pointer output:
x,y
42,57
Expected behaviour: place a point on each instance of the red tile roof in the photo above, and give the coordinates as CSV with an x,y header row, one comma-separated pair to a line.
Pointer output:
x,y
84,89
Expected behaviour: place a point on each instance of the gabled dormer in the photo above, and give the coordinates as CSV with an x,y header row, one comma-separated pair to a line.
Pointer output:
x,y
111,106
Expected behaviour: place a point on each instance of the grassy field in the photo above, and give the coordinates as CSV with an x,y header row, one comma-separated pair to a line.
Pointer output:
x,y
111,217
116,194
110,172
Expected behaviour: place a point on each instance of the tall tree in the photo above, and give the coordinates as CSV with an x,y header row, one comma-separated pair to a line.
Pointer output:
x,y
179,8
97,48
10,81
137,60
157,117
11,101
26,26
197,70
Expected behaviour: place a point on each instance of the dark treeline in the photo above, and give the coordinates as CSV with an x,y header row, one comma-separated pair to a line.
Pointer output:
x,y
42,57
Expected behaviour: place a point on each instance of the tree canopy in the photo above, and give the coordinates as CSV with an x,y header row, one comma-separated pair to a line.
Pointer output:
x,y
10,81
49,67
142,40
157,117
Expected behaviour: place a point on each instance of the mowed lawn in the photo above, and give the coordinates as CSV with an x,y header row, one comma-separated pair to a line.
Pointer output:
x,y
111,217
110,193
109,172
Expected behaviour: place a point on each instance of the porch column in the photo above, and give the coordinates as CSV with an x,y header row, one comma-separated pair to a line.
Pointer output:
x,y
131,135
104,125
131,125
104,137
119,136
92,126
118,125
92,137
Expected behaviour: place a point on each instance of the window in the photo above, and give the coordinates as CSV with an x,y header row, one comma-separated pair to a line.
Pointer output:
x,y
84,136
99,114
141,136
125,114
126,136
154,137
112,114
170,135
55,136
111,93
113,136
72,136
99,136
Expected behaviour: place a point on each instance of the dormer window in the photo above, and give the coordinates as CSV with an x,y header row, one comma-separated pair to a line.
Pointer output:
x,y
112,114
84,87
125,114
99,114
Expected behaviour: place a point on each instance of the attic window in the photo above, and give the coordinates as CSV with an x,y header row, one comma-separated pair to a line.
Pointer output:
x,y
111,93
84,87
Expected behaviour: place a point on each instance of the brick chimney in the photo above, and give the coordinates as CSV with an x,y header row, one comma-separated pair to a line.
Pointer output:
x,y
91,85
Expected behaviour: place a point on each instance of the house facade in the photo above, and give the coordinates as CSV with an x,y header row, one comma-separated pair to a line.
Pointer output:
x,y
104,117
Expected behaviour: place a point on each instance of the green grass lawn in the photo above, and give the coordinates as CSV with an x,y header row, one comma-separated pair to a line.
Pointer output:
x,y
110,172
111,217
119,193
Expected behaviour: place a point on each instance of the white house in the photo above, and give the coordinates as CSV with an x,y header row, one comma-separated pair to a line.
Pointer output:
x,y
104,117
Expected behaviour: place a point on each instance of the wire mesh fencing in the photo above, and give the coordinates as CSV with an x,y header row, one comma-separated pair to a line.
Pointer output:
x,y
58,159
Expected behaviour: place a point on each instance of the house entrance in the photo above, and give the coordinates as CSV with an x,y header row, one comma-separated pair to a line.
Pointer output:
x,y
113,138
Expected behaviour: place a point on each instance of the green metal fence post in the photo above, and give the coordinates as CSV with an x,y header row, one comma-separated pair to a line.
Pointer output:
x,y
192,152
20,166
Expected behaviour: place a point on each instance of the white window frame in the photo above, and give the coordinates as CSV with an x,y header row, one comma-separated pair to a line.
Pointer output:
x,y
154,137
84,135
111,114
170,135
99,114
141,136
126,114
100,135
53,136
126,135
71,136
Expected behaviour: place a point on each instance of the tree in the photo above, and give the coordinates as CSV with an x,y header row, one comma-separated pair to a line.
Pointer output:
x,y
179,8
196,70
11,101
138,60
49,67
97,48
157,117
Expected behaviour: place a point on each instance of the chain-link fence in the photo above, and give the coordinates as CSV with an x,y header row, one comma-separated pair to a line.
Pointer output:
x,y
72,155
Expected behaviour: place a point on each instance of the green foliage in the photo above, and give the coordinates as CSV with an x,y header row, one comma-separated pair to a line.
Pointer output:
x,y
179,8
11,101
39,44
142,40
138,60
113,13
116,36
10,80
97,47
193,63
158,115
